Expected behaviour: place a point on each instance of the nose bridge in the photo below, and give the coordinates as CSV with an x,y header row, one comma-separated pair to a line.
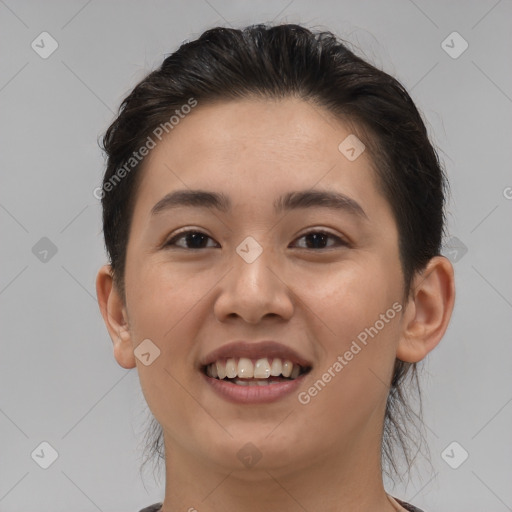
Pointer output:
x,y
252,263
250,249
252,289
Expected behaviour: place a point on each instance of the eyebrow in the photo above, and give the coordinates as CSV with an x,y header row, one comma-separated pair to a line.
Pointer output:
x,y
286,202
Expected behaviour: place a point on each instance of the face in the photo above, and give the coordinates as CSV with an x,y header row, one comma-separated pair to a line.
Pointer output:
x,y
322,281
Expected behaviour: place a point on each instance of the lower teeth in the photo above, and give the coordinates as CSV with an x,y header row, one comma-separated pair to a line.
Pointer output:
x,y
254,382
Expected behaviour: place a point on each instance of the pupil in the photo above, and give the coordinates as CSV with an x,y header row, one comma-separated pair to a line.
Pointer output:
x,y
196,237
316,236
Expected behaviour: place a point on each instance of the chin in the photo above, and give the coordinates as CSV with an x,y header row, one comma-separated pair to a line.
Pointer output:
x,y
253,452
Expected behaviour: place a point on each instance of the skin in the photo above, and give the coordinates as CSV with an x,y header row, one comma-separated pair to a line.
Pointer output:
x,y
321,456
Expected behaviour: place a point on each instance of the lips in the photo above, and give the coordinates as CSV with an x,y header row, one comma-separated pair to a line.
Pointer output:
x,y
254,372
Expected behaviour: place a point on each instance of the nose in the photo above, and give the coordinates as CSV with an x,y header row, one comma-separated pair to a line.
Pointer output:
x,y
254,289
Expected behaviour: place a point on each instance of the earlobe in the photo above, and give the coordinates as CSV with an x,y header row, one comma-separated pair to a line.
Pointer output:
x,y
114,315
428,310
123,350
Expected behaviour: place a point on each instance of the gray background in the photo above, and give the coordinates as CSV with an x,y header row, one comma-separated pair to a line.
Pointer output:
x,y
59,380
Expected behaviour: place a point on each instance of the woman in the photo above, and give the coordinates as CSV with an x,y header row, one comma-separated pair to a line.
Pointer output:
x,y
273,215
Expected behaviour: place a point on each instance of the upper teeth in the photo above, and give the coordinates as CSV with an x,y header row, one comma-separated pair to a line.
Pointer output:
x,y
245,368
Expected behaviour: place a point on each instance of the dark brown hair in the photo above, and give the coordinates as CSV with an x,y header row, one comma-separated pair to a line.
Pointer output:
x,y
273,62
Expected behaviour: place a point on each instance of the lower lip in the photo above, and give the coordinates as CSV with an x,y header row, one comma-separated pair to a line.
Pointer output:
x,y
253,394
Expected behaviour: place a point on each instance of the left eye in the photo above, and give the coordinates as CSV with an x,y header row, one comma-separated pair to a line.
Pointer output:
x,y
320,238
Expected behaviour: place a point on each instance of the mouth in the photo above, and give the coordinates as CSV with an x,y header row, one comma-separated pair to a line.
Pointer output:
x,y
261,372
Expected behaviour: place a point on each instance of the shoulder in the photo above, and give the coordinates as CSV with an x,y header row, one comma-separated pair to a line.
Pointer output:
x,y
152,508
410,508
407,506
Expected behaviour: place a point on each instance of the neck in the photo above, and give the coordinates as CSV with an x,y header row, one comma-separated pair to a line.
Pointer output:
x,y
346,479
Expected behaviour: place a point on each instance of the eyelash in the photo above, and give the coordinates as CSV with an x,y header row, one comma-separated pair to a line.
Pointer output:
x,y
182,234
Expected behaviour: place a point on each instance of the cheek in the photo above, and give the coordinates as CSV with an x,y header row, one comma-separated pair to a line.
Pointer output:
x,y
349,300
161,306
351,384
358,330
161,295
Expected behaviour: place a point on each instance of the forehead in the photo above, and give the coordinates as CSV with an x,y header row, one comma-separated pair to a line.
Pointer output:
x,y
255,150
290,129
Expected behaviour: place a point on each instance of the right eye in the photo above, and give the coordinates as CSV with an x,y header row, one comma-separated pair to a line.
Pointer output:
x,y
195,238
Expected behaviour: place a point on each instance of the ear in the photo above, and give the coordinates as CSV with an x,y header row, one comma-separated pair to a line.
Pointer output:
x,y
115,317
428,310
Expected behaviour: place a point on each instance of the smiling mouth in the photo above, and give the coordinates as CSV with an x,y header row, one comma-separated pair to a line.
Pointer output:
x,y
254,372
